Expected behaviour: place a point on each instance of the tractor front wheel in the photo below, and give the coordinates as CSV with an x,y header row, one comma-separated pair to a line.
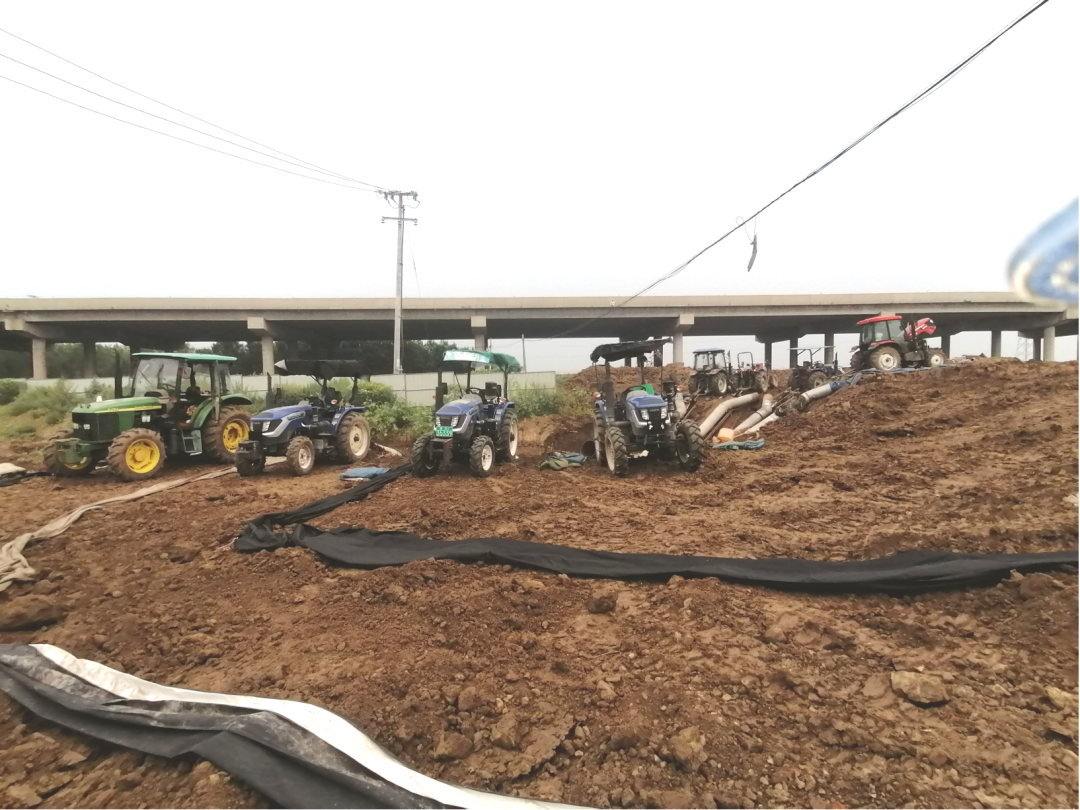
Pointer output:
x,y
508,437
816,379
689,445
482,456
935,358
247,467
885,359
222,436
136,454
616,452
300,455
353,438
54,465
424,464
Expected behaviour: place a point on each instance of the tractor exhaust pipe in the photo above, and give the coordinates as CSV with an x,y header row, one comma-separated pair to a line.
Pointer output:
x,y
709,423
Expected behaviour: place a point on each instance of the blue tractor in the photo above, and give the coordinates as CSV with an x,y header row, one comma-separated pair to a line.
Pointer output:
x,y
480,428
326,424
638,422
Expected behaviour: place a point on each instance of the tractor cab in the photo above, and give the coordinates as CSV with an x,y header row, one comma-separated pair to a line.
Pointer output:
x,y
480,425
894,341
711,360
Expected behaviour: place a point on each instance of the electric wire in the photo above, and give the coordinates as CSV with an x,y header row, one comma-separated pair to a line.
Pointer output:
x,y
930,90
177,137
189,115
167,120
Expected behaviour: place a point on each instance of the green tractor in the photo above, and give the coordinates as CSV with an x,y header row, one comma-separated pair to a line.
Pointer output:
x,y
177,405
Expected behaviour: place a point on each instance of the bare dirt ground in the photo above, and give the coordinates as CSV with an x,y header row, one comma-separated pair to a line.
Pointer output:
x,y
671,694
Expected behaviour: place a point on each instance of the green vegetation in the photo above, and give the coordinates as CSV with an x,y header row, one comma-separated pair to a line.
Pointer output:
x,y
52,403
9,389
548,401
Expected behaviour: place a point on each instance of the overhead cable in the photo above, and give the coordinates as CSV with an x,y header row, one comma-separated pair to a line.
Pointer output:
x,y
189,115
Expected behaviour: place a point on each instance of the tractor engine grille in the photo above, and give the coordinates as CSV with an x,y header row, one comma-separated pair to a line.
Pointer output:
x,y
95,427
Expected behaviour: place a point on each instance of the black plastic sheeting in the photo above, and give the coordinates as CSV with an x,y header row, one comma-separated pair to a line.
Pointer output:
x,y
314,509
288,764
906,572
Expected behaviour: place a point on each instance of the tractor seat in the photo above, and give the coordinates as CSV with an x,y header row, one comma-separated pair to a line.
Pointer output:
x,y
473,398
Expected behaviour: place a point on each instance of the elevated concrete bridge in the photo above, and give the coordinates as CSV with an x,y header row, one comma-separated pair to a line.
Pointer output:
x,y
164,323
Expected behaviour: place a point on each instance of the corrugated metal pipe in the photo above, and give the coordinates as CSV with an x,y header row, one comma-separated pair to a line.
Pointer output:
x,y
709,423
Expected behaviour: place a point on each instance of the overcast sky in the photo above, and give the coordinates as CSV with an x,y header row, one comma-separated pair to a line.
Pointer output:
x,y
558,149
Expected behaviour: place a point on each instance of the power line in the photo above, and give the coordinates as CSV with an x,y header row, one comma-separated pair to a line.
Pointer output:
x,y
915,100
189,115
167,120
177,137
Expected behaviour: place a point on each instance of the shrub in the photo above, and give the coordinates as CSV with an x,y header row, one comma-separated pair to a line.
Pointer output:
x,y
399,419
9,390
57,399
16,430
372,394
96,389
529,402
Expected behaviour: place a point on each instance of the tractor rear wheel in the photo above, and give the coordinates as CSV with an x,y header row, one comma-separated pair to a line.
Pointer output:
x,y
858,361
482,456
222,436
424,464
300,455
885,359
761,381
718,384
616,451
53,464
353,438
136,454
935,358
689,445
247,467
815,379
507,446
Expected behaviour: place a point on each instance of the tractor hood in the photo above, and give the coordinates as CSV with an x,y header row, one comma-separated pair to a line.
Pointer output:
x,y
642,399
458,407
124,404
280,413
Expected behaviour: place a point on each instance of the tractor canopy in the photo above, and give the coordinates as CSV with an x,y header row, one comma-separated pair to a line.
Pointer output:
x,y
463,360
322,369
610,352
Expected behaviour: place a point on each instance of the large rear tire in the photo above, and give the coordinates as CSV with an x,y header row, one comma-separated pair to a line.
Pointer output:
x,y
507,446
482,456
616,452
222,436
718,384
689,445
815,379
58,468
761,381
858,361
300,455
424,464
885,359
598,439
353,438
136,455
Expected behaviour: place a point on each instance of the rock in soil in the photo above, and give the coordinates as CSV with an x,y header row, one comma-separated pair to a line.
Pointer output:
x,y
29,613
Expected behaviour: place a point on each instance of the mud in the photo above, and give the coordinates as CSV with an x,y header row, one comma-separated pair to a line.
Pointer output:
x,y
687,693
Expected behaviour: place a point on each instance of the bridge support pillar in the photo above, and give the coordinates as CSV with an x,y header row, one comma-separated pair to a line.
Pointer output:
x,y
1049,338
768,356
679,328
793,352
830,347
479,331
267,354
89,360
677,349
37,358
995,343
946,345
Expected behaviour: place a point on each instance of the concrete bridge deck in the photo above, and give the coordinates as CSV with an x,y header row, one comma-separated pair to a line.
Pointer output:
x,y
162,323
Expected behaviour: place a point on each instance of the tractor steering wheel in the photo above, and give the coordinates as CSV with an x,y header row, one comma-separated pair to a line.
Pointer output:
x,y
478,391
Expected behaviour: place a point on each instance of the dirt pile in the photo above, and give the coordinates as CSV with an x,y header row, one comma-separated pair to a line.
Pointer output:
x,y
624,377
670,694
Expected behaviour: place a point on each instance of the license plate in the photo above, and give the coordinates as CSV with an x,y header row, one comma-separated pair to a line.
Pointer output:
x,y
446,432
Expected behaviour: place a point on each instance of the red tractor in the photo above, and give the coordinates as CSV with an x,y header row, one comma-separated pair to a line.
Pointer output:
x,y
891,341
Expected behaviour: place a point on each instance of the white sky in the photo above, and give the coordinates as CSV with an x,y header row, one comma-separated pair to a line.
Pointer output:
x,y
561,149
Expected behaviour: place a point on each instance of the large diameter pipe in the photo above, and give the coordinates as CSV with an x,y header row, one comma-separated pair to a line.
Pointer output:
x,y
820,392
768,420
766,409
709,423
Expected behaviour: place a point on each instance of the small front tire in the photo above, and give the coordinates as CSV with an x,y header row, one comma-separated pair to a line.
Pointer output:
x,y
936,358
247,467
482,456
300,455
689,445
136,455
616,451
58,468
424,463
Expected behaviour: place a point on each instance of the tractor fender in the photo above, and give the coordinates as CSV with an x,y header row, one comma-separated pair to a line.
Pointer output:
x,y
501,409
206,409
601,411
341,414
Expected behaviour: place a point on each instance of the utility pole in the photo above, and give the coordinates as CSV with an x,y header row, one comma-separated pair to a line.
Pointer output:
x,y
401,219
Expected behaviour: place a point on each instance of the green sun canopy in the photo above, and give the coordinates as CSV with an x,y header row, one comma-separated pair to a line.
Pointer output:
x,y
477,357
